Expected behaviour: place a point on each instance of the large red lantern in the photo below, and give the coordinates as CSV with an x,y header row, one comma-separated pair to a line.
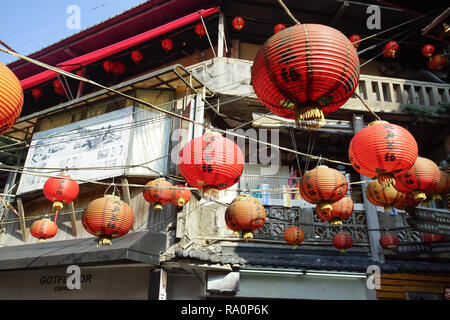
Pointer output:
x,y
389,241
136,56
11,98
390,49
340,210
342,241
61,190
355,40
294,236
118,68
323,186
182,195
238,23
437,62
383,196
427,50
167,44
159,192
245,214
422,177
107,218
43,229
305,72
200,29
279,27
211,163
37,93
382,150
108,66
433,237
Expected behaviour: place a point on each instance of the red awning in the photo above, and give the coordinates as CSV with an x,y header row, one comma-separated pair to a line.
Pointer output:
x,y
96,55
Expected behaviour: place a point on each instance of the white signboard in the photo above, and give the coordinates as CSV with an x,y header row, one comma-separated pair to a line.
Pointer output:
x,y
99,142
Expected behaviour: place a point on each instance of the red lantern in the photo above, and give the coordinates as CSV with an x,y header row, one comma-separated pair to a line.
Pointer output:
x,y
43,229
437,62
343,241
238,23
305,72
159,192
406,201
108,66
444,184
427,50
390,49
11,98
37,93
341,210
182,195
107,218
136,56
383,196
200,29
59,87
422,177
61,190
167,44
80,73
322,186
389,241
382,150
245,214
278,28
211,163
294,236
118,68
355,40
433,237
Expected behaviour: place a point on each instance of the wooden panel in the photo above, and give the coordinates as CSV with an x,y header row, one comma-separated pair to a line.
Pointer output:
x,y
391,295
411,276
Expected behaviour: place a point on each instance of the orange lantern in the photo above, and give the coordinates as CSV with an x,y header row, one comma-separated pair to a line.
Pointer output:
x,y
118,68
437,62
390,49
238,23
343,241
136,56
245,214
422,177
11,98
294,236
44,229
182,195
340,210
383,196
389,241
323,186
108,66
167,44
443,187
405,201
427,50
355,40
107,218
433,237
61,190
278,28
159,192
37,93
381,150
200,29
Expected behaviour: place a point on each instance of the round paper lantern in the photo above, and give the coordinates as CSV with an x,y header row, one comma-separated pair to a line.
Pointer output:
x,y
342,241
182,195
294,236
389,241
245,214
200,29
211,163
80,73
305,72
278,28
427,50
422,177
159,192
433,237
323,186
355,40
59,87
437,62
136,56
340,210
382,150
383,196
238,23
108,66
11,98
406,201
390,49
61,190
37,93
443,187
107,218
167,44
43,229
118,68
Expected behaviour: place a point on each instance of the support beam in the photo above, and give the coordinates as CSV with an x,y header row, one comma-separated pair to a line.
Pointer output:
x,y
73,220
126,193
342,9
23,227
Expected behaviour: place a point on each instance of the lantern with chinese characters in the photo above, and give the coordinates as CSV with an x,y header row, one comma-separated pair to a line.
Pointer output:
x,y
422,177
427,50
211,163
37,93
238,23
342,241
294,236
61,190
43,229
390,49
323,186
182,195
443,187
159,192
11,98
167,44
278,28
382,150
59,87
107,218
245,214
136,56
406,201
437,62
118,68
355,40
108,66
305,72
433,237
383,196
340,210
200,29
389,241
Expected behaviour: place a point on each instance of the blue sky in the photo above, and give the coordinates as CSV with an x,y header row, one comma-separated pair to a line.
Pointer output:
x,y
28,25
